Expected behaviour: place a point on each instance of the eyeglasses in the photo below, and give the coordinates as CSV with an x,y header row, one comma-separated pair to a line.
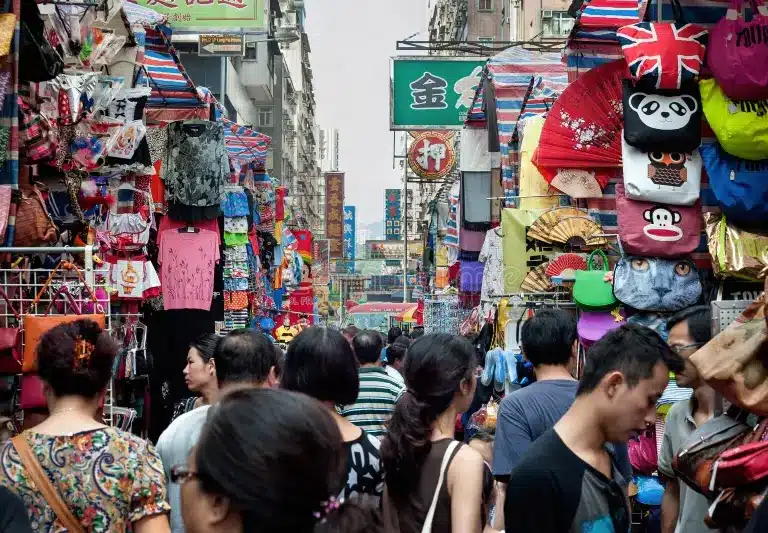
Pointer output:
x,y
680,349
182,473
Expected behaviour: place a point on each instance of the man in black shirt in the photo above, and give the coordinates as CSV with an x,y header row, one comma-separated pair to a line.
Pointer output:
x,y
567,481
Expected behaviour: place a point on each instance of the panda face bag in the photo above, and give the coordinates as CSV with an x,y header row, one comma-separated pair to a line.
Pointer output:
x,y
663,121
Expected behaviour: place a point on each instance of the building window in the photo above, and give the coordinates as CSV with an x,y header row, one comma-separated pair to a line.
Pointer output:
x,y
265,117
251,51
485,5
556,23
485,39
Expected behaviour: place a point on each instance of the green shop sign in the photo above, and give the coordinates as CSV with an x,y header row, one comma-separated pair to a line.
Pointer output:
x,y
245,14
433,93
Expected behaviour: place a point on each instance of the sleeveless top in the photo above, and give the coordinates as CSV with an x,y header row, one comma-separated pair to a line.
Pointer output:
x,y
412,514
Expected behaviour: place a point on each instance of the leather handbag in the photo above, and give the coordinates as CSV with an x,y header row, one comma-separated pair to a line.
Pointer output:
x,y
10,342
34,226
742,465
35,326
738,52
654,284
31,395
732,363
590,291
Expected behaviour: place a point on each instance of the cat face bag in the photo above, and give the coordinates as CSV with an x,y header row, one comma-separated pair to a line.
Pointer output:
x,y
672,178
654,284
657,120
658,230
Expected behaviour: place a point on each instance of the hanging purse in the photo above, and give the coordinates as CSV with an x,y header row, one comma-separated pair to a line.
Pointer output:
x,y
657,120
739,187
36,138
666,54
38,61
738,52
10,342
35,326
593,325
34,227
653,284
741,126
591,292
657,230
31,395
735,252
642,452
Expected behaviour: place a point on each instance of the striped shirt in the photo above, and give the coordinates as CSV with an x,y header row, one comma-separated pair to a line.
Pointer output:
x,y
378,394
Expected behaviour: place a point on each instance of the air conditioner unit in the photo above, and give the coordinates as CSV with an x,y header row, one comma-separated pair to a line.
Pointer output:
x,y
546,14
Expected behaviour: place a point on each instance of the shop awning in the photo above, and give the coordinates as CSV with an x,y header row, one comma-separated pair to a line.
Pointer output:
x,y
407,315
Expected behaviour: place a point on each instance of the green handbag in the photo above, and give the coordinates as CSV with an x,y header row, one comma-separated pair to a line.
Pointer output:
x,y
591,292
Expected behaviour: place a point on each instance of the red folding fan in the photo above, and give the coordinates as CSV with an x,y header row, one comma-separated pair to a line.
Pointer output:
x,y
583,128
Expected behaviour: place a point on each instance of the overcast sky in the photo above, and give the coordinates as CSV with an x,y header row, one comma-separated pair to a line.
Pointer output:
x,y
352,42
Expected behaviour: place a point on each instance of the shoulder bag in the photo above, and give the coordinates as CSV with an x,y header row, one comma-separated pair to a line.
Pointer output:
x,y
34,226
440,480
591,292
44,485
654,284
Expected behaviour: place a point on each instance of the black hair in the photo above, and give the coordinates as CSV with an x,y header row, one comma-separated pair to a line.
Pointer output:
x,y
632,350
242,454
279,361
394,332
699,320
206,345
435,368
367,345
397,349
548,337
321,364
416,332
244,355
350,331
75,359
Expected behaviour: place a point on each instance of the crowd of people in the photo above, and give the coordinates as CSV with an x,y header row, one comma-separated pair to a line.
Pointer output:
x,y
352,432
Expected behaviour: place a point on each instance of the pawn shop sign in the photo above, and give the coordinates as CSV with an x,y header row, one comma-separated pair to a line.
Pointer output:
x,y
432,155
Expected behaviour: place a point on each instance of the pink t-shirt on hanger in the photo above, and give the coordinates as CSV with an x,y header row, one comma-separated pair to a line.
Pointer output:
x,y
187,263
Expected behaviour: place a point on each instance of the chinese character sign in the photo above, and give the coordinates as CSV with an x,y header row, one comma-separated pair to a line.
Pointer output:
x,y
246,14
432,93
392,214
431,155
320,262
334,213
350,234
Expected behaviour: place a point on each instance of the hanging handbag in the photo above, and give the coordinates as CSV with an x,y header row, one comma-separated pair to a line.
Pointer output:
x,y
672,178
35,326
740,187
35,471
735,252
593,325
656,120
653,284
38,61
657,230
738,52
11,349
36,138
34,226
741,126
643,455
666,54
31,395
590,291
742,465
733,362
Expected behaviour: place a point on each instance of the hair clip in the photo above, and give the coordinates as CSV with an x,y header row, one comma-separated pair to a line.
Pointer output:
x,y
331,505
83,351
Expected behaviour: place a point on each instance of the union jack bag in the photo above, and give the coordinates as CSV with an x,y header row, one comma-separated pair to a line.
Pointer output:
x,y
667,54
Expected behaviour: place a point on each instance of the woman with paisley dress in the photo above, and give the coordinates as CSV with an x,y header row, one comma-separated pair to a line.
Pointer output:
x,y
109,480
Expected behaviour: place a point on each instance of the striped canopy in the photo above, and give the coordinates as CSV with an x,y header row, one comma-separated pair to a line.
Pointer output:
x,y
163,71
244,144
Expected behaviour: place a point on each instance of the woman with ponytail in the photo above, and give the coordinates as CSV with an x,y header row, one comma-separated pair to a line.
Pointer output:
x,y
269,460
431,479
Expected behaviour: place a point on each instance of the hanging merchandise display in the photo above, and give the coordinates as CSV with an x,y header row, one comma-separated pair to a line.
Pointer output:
x,y
736,253
534,189
592,292
654,284
593,325
520,253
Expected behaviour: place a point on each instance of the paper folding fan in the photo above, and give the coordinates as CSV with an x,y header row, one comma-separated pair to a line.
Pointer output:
x,y
577,233
537,280
542,226
564,263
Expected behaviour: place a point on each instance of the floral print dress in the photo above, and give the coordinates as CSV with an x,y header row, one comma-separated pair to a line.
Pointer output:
x,y
109,478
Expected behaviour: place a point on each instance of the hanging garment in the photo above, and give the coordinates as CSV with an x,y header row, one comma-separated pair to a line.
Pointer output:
x,y
187,268
475,203
493,270
534,189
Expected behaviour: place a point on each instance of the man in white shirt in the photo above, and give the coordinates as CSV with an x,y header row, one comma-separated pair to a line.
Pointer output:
x,y
395,355
243,359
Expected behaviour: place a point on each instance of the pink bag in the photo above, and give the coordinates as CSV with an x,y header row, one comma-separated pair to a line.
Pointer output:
x,y
592,325
657,230
738,52
643,454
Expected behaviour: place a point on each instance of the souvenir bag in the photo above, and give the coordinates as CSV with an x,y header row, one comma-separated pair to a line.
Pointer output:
x,y
592,325
738,52
741,126
34,226
654,284
656,120
672,178
36,138
10,342
657,230
736,253
591,292
666,54
38,61
35,326
740,187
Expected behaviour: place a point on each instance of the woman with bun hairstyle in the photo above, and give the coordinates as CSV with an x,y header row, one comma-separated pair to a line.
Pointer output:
x,y
440,380
269,460
107,480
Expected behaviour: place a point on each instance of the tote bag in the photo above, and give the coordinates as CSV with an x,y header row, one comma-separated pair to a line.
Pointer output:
x,y
740,187
741,127
655,229
738,52
656,120
672,178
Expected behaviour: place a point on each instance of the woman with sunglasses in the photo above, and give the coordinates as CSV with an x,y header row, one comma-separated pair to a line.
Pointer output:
x,y
269,460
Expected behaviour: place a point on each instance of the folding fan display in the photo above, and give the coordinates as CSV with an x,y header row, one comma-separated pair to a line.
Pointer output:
x,y
576,233
583,128
542,226
537,280
566,263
